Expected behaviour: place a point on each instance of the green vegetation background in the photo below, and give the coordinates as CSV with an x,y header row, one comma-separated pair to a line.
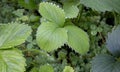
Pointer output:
x,y
96,24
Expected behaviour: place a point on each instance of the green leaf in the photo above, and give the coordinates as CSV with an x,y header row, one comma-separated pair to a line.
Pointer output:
x,y
105,63
68,69
113,41
19,12
50,36
46,68
13,34
77,39
12,61
29,4
35,69
103,5
71,10
34,18
52,13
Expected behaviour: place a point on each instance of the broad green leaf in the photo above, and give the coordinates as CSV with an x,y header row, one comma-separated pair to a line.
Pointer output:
x,y
13,34
71,10
68,69
77,39
105,63
50,36
113,41
12,61
103,5
46,68
29,4
52,13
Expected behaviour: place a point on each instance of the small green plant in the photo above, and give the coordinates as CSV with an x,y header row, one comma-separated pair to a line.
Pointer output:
x,y
56,32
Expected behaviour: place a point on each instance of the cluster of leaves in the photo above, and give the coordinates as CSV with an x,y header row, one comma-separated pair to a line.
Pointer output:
x,y
11,59
59,36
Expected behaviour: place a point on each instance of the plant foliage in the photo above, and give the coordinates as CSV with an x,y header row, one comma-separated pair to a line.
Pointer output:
x,y
68,69
50,36
101,5
105,63
71,9
59,36
12,61
52,13
46,68
55,33
13,34
113,41
29,4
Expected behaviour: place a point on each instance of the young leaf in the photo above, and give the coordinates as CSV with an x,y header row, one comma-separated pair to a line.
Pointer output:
x,y
50,36
105,63
71,10
12,61
113,42
103,5
68,69
77,39
52,13
13,34
46,68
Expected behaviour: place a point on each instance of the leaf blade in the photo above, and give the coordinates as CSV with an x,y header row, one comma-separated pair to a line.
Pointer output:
x,y
113,42
52,13
105,63
12,61
16,35
100,5
77,39
71,10
50,36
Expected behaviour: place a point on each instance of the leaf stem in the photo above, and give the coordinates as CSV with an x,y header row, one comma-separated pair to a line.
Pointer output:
x,y
81,7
